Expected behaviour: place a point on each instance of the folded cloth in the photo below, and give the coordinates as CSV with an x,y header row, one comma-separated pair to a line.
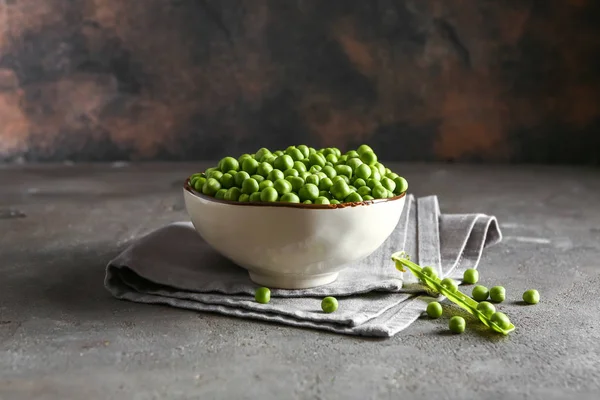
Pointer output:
x,y
175,266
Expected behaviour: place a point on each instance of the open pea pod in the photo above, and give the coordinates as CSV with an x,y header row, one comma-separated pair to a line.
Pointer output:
x,y
457,297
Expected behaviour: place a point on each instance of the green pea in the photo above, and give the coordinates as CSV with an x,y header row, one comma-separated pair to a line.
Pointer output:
x,y
379,192
401,185
341,178
229,164
329,172
278,153
337,152
304,149
387,171
305,175
258,178
209,170
334,201
457,324
353,198
434,310
289,198
321,175
497,294
265,184
354,163
368,197
500,319
220,194
359,182
307,202
211,187
314,179
531,296
295,154
368,157
233,194
227,180
364,190
388,184
261,153
296,182
317,159
311,150
268,194
299,166
308,192
291,172
344,170
340,189
449,284
321,200
480,293
282,186
372,183
240,177
250,186
375,173
242,158
391,175
471,276
232,173
363,148
263,169
283,162
327,151
215,174
269,159
429,271
199,183
332,158
325,184
329,304
254,197
381,168
262,295
275,174
314,169
306,163
342,159
244,198
325,193
352,154
486,308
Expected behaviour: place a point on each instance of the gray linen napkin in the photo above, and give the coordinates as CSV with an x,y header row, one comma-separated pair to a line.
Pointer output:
x,y
174,266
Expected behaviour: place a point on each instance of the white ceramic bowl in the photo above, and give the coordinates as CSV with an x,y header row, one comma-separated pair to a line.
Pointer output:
x,y
293,246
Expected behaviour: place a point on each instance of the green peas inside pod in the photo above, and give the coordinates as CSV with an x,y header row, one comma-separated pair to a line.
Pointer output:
x,y
300,174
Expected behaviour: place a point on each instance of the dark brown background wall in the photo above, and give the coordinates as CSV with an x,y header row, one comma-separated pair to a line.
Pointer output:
x,y
466,80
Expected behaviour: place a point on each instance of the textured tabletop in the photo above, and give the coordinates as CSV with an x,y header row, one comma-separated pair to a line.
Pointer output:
x,y
63,336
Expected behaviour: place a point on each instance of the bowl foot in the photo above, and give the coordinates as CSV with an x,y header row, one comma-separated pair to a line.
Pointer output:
x,y
292,281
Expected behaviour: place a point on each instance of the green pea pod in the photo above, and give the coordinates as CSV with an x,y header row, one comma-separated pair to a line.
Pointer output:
x,y
457,297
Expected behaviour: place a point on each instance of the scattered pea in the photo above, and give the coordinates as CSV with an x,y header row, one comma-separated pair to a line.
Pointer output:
x,y
434,309
497,294
329,304
457,324
531,296
262,295
471,276
480,293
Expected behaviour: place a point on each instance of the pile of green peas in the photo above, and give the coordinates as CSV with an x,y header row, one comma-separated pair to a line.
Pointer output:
x,y
481,294
301,174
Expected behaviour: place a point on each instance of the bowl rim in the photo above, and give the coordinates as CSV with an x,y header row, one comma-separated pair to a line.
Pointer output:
x,y
188,188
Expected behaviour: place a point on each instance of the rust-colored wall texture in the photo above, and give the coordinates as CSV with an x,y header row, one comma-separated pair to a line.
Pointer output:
x,y
462,80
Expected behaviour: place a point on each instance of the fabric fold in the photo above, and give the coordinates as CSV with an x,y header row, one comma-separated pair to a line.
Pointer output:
x,y
174,266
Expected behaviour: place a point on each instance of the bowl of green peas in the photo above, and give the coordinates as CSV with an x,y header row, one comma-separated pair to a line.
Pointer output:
x,y
296,217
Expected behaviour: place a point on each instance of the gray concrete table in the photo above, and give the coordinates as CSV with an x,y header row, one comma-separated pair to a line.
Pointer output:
x,y
62,336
